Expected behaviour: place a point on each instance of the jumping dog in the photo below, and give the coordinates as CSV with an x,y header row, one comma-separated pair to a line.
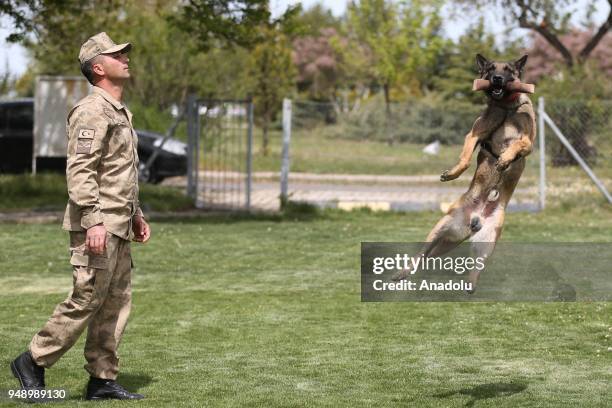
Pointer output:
x,y
504,132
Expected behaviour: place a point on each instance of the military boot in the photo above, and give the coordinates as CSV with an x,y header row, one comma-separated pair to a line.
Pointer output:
x,y
30,375
100,389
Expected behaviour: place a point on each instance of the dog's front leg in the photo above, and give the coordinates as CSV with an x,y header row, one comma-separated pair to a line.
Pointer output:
x,y
478,132
471,140
519,148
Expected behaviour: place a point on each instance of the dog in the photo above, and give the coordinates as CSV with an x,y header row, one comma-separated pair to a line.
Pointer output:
x,y
505,132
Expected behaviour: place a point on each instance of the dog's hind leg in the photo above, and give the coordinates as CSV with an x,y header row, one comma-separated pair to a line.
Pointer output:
x,y
450,231
483,241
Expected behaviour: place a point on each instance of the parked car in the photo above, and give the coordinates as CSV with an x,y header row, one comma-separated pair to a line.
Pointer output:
x,y
17,141
171,160
16,135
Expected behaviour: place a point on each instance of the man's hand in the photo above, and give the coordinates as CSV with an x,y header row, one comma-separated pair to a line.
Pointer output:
x,y
142,231
96,239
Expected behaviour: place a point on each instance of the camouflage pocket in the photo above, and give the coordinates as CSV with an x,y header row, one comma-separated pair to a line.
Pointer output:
x,y
89,260
79,255
83,284
85,270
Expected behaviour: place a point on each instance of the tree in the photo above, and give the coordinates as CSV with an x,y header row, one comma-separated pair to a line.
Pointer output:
x,y
376,24
459,62
422,26
234,21
53,31
550,19
575,96
19,13
317,65
316,59
166,62
248,23
311,21
272,77
545,61
401,42
7,82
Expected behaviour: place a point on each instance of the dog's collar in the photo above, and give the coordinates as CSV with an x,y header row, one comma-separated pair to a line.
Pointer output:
x,y
513,97
510,103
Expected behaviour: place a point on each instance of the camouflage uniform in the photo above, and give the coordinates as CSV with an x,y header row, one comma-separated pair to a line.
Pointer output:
x,y
102,175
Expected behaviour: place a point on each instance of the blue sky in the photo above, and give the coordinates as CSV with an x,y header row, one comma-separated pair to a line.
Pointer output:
x,y
15,57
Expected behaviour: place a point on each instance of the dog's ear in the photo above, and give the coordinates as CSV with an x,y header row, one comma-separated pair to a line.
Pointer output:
x,y
482,63
520,64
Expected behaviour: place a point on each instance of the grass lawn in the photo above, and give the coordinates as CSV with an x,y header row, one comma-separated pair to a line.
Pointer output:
x,y
267,312
312,151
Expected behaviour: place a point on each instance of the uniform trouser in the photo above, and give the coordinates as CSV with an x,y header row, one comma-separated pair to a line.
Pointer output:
x,y
100,300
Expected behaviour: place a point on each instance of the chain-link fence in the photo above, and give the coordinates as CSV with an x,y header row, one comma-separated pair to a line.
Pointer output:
x,y
578,147
387,157
383,157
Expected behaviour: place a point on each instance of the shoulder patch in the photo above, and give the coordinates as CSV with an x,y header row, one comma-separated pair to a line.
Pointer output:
x,y
87,133
84,146
85,140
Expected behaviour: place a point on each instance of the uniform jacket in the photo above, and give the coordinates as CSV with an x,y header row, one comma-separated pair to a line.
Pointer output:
x,y
102,168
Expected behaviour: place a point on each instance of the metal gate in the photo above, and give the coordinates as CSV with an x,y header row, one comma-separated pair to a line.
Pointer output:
x,y
220,134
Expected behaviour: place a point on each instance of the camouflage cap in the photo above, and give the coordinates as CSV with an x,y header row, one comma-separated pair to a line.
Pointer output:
x,y
100,43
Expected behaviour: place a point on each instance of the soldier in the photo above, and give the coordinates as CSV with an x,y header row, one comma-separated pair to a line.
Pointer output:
x,y
103,215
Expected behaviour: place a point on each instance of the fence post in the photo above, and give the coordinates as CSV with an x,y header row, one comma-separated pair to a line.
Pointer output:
x,y
542,146
249,157
192,146
285,155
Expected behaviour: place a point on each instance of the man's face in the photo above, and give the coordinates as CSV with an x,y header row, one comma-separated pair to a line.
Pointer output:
x,y
113,66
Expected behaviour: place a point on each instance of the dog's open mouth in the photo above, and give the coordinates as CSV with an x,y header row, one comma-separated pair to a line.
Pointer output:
x,y
497,92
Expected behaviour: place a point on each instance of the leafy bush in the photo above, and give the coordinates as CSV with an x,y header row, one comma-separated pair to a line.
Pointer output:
x,y
417,121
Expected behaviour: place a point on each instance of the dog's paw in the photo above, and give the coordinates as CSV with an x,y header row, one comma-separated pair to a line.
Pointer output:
x,y
446,176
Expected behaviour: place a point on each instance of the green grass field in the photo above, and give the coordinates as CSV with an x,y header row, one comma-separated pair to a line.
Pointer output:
x,y
266,311
314,151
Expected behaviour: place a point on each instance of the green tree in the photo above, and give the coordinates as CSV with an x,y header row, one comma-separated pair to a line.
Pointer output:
x,y
421,27
550,19
234,21
7,82
166,62
53,31
376,24
272,77
399,43
402,41
311,21
248,23
459,63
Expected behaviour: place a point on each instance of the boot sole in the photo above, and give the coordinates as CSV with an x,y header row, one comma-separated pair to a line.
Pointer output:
x,y
112,399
